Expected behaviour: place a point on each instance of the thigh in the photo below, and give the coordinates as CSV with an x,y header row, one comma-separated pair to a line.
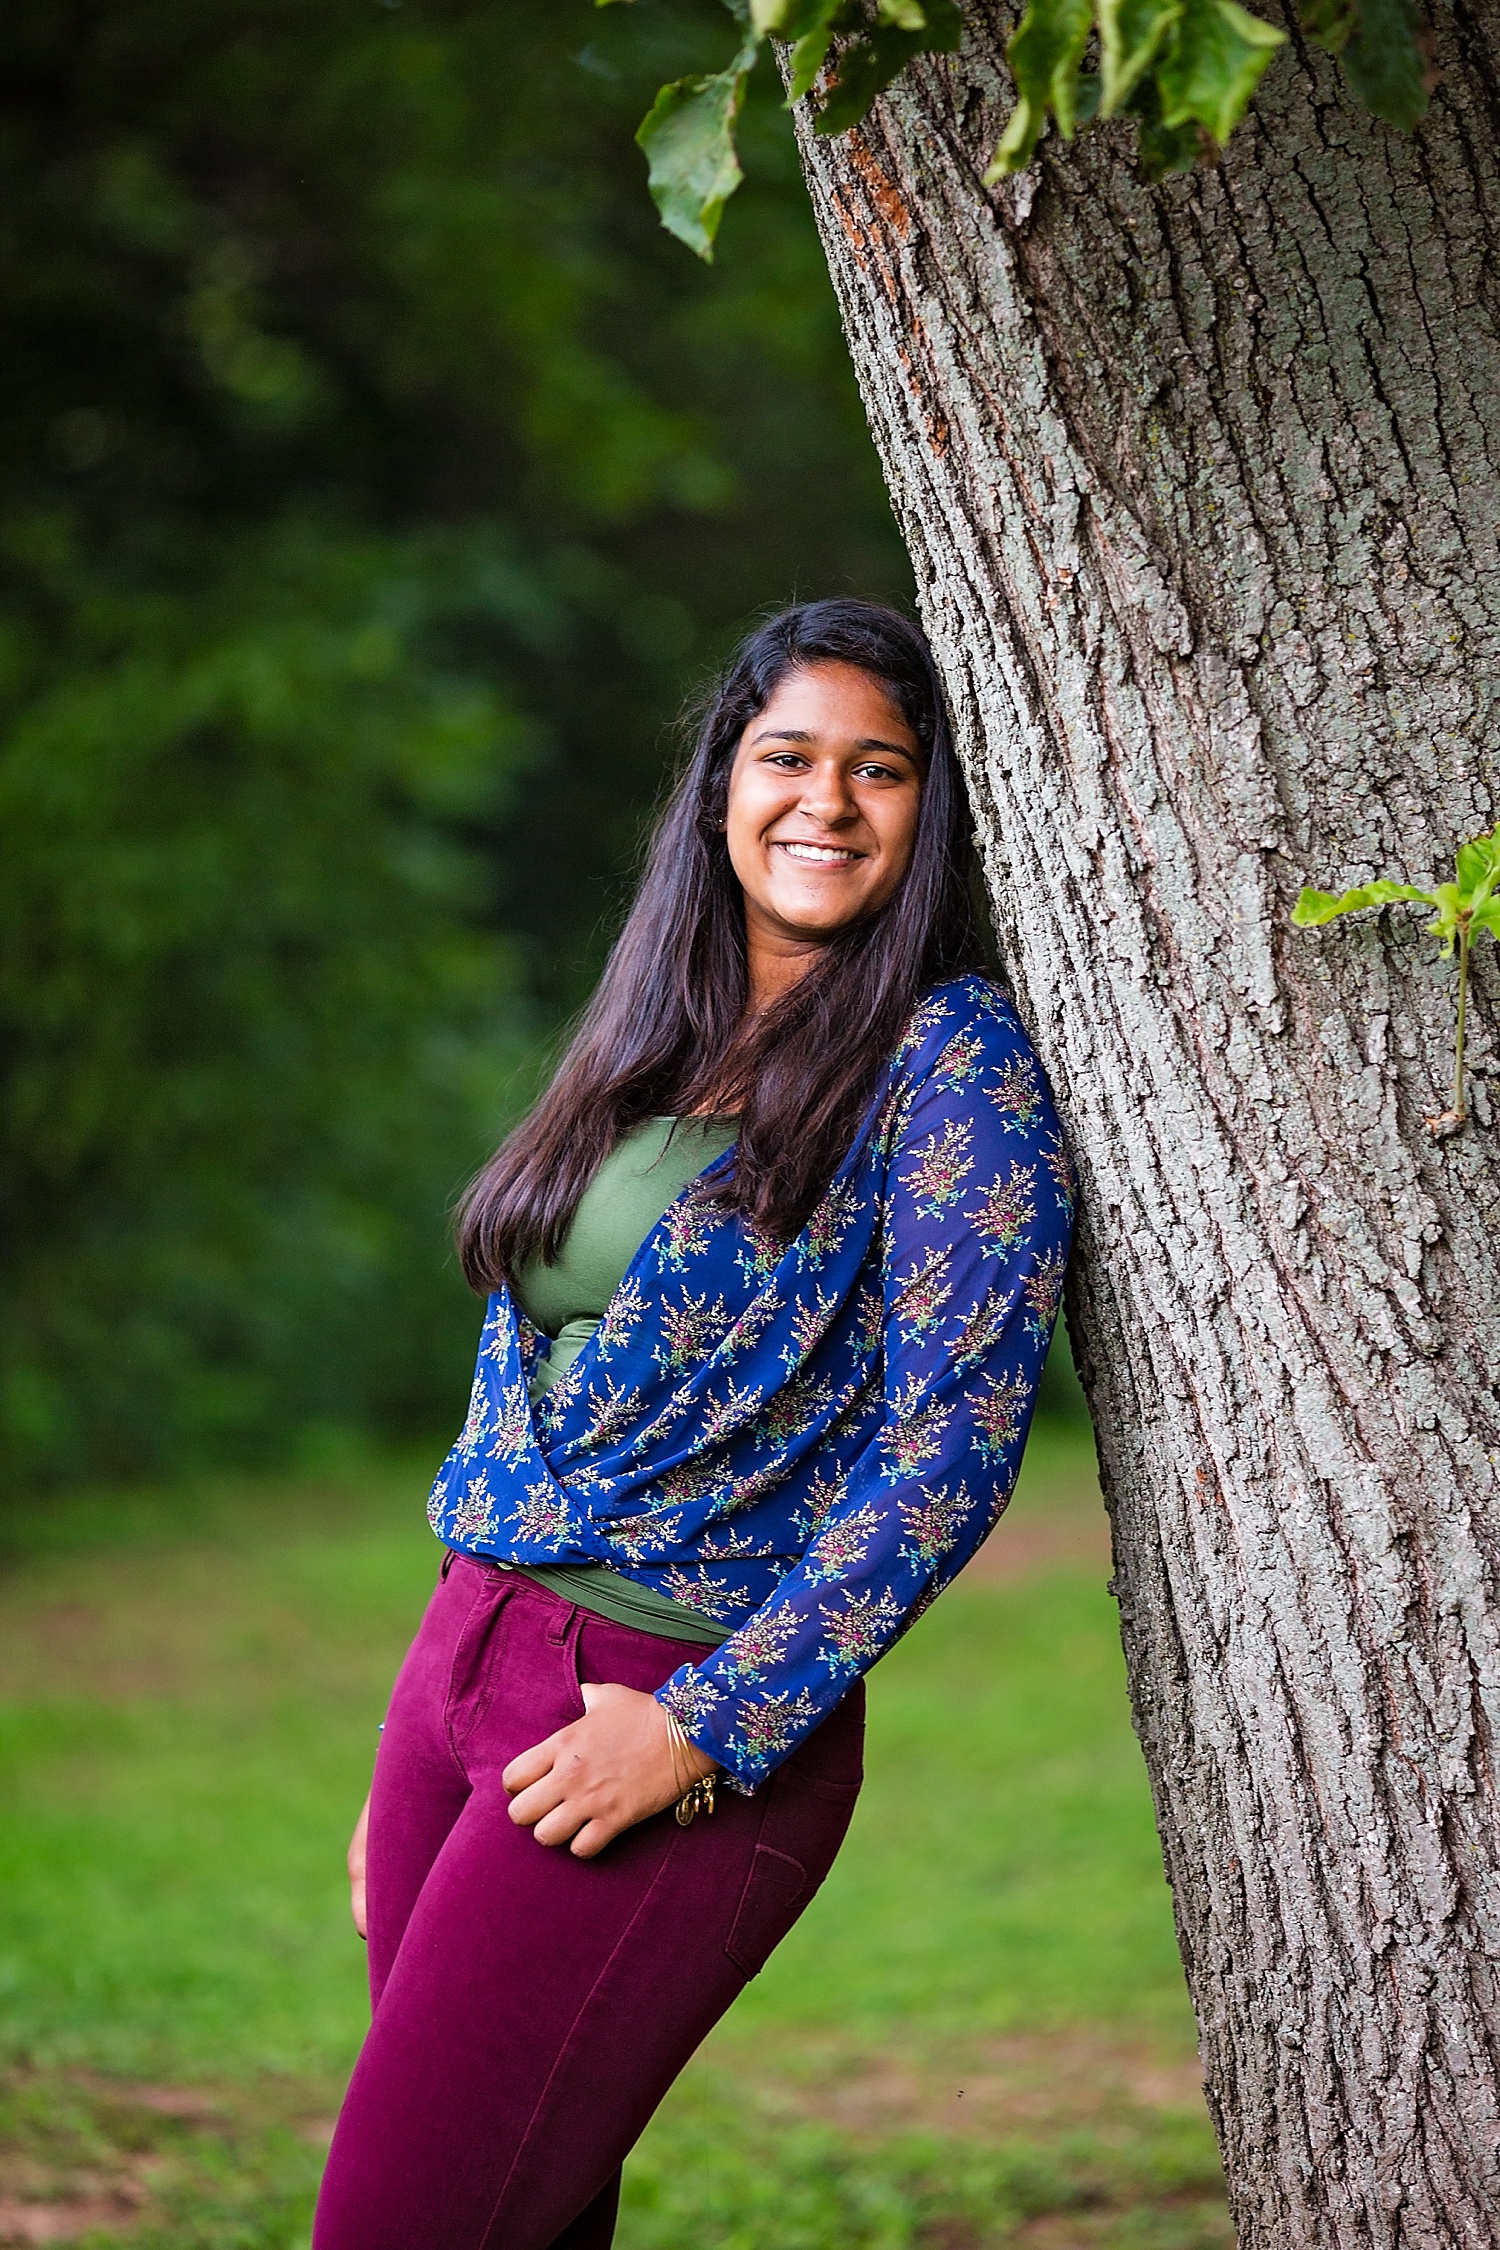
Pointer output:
x,y
724,1893
419,1787
497,1952
539,2005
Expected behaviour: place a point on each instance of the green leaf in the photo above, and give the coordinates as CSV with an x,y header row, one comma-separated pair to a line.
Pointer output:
x,y
1385,893
1087,96
1131,33
1170,148
1444,925
1479,867
807,60
810,25
791,19
1162,148
1214,65
1383,62
1328,23
1017,144
1314,908
1487,917
688,138
1044,53
868,65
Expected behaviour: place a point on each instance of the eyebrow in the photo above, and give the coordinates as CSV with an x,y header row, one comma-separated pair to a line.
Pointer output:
x,y
867,742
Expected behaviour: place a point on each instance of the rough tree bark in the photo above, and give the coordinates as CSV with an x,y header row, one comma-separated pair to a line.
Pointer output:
x,y
1200,484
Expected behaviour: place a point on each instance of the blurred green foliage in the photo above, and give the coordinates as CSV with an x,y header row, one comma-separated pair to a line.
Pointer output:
x,y
374,477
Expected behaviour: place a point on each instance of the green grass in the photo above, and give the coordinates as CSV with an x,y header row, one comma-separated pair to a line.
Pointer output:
x,y
977,2034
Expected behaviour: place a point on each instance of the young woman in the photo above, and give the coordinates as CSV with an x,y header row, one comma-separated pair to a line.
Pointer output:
x,y
772,1269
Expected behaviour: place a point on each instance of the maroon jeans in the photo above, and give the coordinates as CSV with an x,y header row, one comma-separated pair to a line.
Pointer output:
x,y
530,2008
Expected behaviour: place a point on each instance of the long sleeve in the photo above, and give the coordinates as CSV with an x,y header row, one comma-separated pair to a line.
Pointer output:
x,y
976,1220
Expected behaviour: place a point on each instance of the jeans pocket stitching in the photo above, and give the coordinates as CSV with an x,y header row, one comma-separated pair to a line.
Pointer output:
x,y
746,1951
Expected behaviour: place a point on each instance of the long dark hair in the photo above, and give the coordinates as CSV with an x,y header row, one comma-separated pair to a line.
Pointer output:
x,y
665,1033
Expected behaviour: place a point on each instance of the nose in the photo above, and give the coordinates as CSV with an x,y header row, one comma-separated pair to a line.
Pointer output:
x,y
827,797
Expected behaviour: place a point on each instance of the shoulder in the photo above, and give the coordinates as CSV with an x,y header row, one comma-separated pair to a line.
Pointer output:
x,y
957,1030
969,1114
966,1067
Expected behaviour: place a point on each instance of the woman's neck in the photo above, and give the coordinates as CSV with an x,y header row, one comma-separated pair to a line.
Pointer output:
x,y
774,964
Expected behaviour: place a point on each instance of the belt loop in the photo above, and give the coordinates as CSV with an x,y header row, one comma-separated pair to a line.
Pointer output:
x,y
571,1638
449,1559
566,1626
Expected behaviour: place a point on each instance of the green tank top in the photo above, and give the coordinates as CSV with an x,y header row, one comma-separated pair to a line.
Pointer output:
x,y
621,1204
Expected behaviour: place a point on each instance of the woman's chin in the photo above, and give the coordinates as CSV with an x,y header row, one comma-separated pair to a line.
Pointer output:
x,y
817,913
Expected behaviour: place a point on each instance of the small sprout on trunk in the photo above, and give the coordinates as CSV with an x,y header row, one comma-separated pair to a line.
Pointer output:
x,y
1463,911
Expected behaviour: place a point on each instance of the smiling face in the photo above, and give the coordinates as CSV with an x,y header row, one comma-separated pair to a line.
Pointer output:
x,y
823,798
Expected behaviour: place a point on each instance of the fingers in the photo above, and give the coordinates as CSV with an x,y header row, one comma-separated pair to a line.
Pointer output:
x,y
594,1835
530,1806
554,1815
591,1780
358,1842
561,1824
356,1864
532,1764
565,1800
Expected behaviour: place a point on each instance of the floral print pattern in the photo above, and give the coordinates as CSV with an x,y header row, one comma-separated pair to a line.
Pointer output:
x,y
943,1163
1000,1408
805,1440
1018,1094
1007,1207
855,1635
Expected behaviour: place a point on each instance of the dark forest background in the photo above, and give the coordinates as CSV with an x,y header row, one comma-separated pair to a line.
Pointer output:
x,y
376,481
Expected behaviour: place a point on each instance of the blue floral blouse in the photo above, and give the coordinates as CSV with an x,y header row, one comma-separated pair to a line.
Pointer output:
x,y
805,1440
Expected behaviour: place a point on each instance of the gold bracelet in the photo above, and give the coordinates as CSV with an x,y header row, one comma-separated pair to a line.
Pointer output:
x,y
699,1795
674,1735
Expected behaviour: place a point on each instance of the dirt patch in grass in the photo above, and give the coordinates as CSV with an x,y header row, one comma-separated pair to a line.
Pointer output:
x,y
146,1645
41,2206
125,1628
1110,2134
1025,1545
86,2158
1056,1521
1038,2084
1065,2140
1168,2222
67,2169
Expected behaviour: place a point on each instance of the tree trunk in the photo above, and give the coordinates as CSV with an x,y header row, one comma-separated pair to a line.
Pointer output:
x,y
1199,482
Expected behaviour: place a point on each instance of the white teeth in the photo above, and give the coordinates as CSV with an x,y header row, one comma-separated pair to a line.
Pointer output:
x,y
821,855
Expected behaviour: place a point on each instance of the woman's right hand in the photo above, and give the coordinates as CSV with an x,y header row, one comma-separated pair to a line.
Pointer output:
x,y
357,1867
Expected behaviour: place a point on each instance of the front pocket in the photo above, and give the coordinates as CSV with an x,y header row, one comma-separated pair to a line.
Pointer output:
x,y
776,1890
